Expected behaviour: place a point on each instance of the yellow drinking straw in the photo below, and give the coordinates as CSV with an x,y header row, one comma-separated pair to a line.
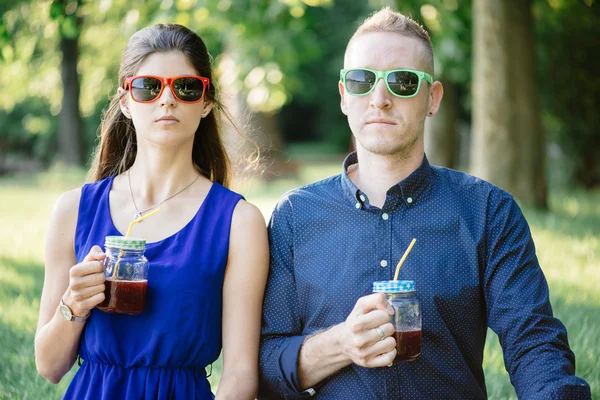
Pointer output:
x,y
135,221
404,258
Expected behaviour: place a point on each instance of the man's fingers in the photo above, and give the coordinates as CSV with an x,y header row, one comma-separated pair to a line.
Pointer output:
x,y
375,301
95,253
369,321
385,355
371,356
371,336
383,304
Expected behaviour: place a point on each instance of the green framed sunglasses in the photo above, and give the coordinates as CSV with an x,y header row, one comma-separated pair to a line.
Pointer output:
x,y
403,83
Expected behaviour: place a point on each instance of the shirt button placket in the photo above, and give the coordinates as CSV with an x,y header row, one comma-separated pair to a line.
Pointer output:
x,y
384,232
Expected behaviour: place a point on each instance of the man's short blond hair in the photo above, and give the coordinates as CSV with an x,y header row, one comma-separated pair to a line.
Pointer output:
x,y
387,20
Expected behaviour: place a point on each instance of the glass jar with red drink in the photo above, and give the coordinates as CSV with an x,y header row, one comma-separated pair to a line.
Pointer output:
x,y
126,271
407,316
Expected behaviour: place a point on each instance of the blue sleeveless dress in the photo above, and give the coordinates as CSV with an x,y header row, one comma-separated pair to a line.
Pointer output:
x,y
161,353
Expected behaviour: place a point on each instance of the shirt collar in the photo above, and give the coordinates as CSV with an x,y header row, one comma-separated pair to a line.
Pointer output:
x,y
408,190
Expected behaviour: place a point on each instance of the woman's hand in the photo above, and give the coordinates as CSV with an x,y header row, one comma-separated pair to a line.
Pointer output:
x,y
86,283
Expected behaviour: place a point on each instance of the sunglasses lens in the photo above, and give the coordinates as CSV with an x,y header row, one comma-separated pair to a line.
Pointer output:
x,y
359,81
188,89
145,89
403,83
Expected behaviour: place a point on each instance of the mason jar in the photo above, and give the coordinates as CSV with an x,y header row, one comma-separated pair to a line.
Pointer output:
x,y
126,271
407,316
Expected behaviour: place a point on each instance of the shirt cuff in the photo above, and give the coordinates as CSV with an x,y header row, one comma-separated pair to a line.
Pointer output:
x,y
574,388
288,363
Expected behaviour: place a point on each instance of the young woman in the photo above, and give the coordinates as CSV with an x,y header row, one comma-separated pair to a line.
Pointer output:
x,y
160,146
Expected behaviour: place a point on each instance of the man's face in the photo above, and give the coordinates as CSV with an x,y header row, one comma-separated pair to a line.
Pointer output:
x,y
381,122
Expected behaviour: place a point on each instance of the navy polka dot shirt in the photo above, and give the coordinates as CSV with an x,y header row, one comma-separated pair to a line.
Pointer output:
x,y
474,266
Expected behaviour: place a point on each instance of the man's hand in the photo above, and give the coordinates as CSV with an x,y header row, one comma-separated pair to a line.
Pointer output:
x,y
367,335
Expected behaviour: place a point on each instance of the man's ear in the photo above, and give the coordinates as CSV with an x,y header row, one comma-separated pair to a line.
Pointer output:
x,y
342,98
436,92
123,103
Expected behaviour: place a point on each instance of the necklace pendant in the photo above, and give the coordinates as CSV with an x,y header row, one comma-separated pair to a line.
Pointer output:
x,y
137,216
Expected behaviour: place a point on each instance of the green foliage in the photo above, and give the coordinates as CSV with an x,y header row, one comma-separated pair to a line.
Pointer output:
x,y
65,13
314,113
29,129
567,33
284,57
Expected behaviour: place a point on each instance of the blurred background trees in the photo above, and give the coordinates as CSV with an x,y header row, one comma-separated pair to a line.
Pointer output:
x,y
521,87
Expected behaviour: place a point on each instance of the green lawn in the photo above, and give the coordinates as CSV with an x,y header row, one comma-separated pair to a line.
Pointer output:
x,y
567,240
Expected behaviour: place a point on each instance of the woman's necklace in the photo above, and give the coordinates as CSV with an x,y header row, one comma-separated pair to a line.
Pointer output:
x,y
139,213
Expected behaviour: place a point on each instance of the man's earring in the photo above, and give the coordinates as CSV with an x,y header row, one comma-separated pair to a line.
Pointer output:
x,y
430,113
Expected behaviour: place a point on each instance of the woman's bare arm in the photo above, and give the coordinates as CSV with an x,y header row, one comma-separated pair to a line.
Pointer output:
x,y
243,290
80,286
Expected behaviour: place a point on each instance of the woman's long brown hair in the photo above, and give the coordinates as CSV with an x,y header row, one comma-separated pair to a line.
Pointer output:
x,y
118,145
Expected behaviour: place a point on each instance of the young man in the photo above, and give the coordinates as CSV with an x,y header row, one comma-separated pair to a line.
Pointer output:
x,y
474,262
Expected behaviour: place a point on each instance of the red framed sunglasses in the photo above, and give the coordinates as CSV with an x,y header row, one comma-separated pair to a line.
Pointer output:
x,y
148,88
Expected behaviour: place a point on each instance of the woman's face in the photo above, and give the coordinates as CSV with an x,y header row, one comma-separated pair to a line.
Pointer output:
x,y
165,121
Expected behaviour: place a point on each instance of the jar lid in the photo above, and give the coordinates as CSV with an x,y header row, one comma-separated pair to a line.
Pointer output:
x,y
393,286
125,243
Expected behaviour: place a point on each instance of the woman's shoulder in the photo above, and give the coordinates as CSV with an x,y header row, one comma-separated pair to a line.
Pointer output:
x,y
68,201
247,213
67,204
66,209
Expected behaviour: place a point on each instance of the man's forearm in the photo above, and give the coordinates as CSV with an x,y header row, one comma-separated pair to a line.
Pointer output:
x,y
321,356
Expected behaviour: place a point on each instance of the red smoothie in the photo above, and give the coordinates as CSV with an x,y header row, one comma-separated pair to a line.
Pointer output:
x,y
408,345
124,297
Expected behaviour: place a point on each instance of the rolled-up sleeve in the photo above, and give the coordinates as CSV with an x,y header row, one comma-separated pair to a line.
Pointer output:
x,y
281,336
536,349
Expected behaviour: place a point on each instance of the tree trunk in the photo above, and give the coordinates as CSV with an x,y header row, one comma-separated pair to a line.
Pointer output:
x,y
508,144
441,131
70,125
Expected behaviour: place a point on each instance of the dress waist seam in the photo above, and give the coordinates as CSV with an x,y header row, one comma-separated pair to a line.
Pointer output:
x,y
201,369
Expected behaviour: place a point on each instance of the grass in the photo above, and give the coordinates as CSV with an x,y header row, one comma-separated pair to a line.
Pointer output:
x,y
567,240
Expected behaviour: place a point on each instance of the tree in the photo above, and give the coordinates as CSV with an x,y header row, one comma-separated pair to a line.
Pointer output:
x,y
508,142
567,33
70,126
441,132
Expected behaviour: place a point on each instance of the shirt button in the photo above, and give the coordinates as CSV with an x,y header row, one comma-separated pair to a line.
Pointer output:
x,y
357,205
409,200
362,198
385,216
383,263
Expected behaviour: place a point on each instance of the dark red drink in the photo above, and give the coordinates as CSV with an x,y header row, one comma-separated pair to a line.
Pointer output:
x,y
408,345
124,297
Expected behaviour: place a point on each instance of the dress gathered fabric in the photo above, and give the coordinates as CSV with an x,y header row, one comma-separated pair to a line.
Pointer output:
x,y
161,353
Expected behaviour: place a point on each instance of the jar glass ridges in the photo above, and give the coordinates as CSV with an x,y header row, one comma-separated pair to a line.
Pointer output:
x,y
126,271
406,319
